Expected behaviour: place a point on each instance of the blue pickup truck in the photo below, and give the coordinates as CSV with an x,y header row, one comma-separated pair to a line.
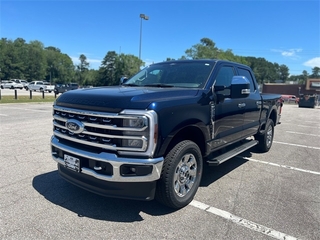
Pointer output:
x,y
152,136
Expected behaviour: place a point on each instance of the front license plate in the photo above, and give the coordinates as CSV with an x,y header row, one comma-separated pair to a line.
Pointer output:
x,y
72,163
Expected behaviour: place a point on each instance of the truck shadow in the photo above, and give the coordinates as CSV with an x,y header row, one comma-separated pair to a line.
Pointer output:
x,y
86,204
212,174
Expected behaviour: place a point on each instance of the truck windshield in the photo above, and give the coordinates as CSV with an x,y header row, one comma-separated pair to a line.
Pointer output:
x,y
173,74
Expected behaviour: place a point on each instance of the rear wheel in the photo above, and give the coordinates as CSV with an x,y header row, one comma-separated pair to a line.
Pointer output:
x,y
266,139
180,176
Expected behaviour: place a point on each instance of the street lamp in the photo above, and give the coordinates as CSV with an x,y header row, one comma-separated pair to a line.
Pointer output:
x,y
145,17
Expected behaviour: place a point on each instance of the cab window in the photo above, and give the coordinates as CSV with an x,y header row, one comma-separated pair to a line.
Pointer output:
x,y
224,78
246,73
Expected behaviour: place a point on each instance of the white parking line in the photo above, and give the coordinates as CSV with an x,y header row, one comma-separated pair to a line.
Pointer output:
x,y
30,109
297,145
308,126
315,135
279,165
242,222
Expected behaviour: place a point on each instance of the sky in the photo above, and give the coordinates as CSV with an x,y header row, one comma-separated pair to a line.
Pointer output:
x,y
281,31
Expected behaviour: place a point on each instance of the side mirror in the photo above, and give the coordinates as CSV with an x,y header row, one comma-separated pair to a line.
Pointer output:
x,y
240,87
123,80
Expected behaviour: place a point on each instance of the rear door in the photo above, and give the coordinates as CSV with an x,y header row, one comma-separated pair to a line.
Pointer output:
x,y
229,114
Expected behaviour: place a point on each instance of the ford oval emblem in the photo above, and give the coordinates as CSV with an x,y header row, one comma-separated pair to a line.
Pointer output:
x,y
74,126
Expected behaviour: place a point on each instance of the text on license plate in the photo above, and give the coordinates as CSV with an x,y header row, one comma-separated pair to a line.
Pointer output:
x,y
72,163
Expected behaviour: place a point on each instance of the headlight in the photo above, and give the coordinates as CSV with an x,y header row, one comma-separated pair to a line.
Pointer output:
x,y
136,122
139,134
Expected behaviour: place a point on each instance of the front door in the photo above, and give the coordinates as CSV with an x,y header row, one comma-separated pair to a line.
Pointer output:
x,y
229,114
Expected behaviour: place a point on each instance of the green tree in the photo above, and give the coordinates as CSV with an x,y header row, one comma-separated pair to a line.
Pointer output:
x,y
107,69
13,58
284,72
315,72
36,63
205,49
264,71
82,69
60,68
126,65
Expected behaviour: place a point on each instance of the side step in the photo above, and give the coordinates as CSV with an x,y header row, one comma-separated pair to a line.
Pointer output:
x,y
230,154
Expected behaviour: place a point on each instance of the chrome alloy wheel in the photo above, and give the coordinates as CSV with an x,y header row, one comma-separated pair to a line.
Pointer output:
x,y
269,136
185,175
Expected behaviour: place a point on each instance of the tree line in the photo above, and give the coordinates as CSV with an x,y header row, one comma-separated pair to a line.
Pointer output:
x,y
33,61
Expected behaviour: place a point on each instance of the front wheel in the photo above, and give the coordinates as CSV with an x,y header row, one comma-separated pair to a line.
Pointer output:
x,y
266,139
180,176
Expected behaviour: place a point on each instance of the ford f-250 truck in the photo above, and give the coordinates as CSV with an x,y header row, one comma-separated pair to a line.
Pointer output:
x,y
152,136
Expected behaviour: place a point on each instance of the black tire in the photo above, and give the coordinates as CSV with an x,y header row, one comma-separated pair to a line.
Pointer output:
x,y
266,139
181,175
12,87
1,87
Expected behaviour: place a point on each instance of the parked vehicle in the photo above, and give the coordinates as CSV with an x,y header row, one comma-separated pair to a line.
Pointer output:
x,y
11,85
40,86
49,87
290,98
61,88
308,101
152,136
23,82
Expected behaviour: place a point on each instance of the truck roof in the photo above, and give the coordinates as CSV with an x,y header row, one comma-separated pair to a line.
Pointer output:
x,y
214,61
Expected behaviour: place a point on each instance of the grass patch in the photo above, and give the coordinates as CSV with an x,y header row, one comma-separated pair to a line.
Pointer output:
x,y
26,99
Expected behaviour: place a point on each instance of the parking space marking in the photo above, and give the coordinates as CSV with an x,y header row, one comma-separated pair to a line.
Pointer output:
x,y
308,126
297,145
311,121
241,221
30,109
280,165
315,135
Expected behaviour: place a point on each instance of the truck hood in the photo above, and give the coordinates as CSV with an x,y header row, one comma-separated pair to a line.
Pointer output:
x,y
115,99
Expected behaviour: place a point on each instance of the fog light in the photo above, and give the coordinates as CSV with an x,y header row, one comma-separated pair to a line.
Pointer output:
x,y
135,170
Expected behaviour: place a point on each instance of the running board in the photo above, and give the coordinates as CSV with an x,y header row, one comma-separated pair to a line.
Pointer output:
x,y
230,154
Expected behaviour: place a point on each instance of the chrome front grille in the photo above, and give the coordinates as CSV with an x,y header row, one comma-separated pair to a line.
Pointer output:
x,y
126,131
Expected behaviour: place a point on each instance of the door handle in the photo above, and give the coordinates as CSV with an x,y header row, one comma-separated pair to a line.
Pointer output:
x,y
241,105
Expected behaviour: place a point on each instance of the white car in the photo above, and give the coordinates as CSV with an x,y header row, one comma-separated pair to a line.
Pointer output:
x,y
11,85
40,86
23,82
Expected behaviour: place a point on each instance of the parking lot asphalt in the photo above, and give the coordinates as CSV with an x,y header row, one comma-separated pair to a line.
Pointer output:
x,y
275,195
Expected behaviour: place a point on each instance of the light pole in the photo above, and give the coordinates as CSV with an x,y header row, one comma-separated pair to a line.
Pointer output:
x,y
145,17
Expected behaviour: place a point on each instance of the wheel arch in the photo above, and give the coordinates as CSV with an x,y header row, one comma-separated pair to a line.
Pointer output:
x,y
190,132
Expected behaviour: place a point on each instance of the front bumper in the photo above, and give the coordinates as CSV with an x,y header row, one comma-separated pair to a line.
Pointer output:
x,y
116,179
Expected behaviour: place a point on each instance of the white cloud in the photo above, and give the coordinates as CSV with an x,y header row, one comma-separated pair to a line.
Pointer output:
x,y
292,53
314,62
94,63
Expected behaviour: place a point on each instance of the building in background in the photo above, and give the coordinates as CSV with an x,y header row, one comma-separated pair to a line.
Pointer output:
x,y
311,87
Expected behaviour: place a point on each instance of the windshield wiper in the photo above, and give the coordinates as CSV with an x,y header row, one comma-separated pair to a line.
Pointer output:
x,y
131,85
158,85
